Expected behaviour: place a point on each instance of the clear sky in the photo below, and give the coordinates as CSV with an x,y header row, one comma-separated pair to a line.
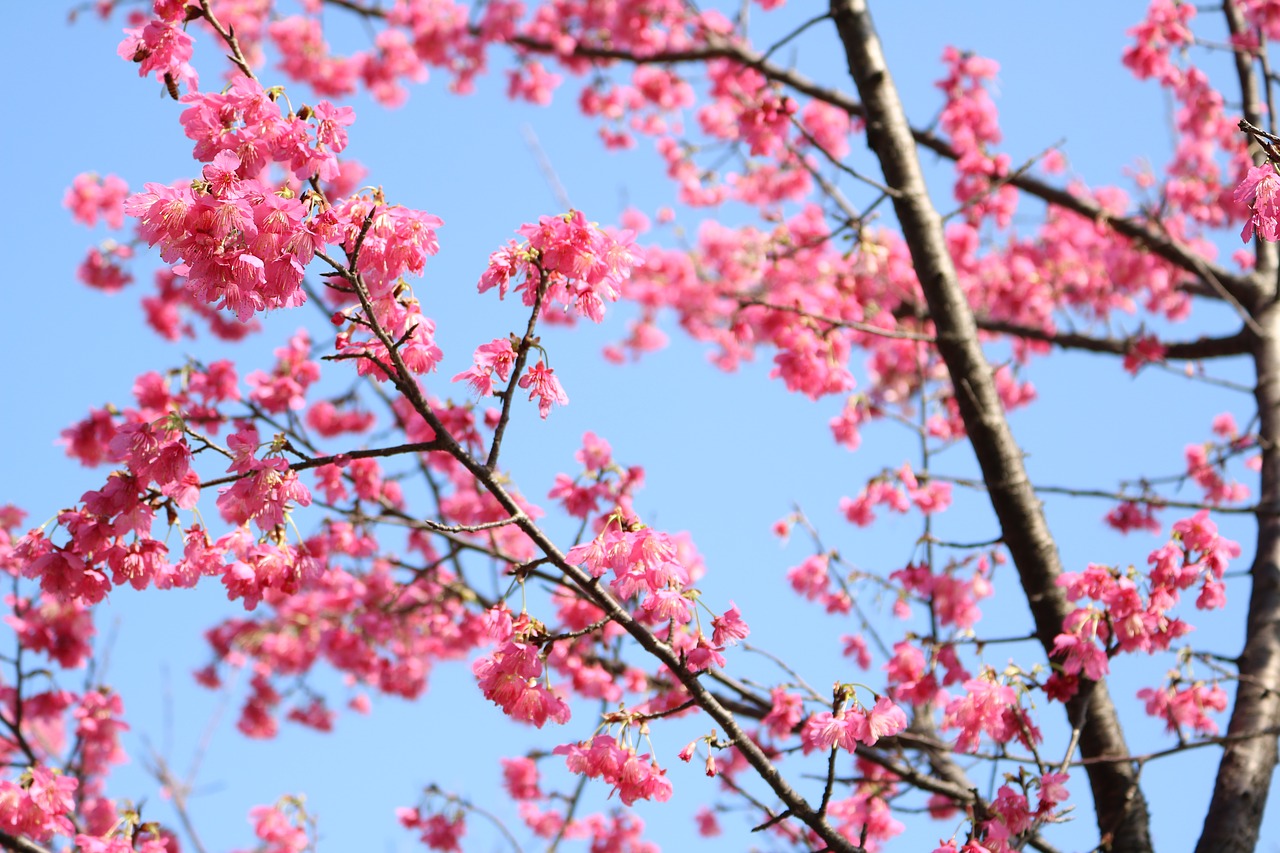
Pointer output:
x,y
725,455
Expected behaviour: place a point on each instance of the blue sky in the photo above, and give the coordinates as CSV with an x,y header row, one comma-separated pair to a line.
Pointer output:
x,y
726,455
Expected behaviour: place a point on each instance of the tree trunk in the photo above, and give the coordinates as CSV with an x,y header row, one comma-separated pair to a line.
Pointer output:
x,y
1123,821
1244,775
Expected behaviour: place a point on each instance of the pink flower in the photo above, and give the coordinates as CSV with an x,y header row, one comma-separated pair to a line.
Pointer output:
x,y
1052,792
1147,349
52,793
579,265
825,731
1130,515
1081,654
65,576
90,196
1185,707
810,578
443,833
294,373
89,440
159,455
668,605
520,778
785,714
884,720
596,454
1212,595
729,628
543,384
533,83
497,356
1164,29
266,489
986,707
907,677
1260,190
100,270
708,826
855,646
273,826
504,264
162,48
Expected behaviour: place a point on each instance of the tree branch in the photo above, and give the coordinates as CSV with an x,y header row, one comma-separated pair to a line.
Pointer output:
x,y
20,845
1199,349
1121,808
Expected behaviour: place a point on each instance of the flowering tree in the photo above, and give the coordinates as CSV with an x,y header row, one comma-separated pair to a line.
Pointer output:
x,y
375,532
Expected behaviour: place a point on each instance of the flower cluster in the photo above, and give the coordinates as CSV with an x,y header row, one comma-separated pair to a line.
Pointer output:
x,y
509,676
286,387
969,118
911,676
567,260
1260,192
849,727
644,562
244,120
954,599
990,708
241,246
633,776
930,497
1163,30
162,46
1185,707
91,196
265,488
436,831
37,805
1127,620
1010,816
281,827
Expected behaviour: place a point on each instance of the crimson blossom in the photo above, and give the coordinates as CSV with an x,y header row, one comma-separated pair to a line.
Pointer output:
x,y
976,679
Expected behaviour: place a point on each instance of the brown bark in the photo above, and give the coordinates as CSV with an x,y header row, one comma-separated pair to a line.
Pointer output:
x,y
1122,816
1240,789
1244,774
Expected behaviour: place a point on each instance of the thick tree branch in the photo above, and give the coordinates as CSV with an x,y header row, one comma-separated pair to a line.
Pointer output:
x,y
1241,288
1194,350
1199,349
1147,497
1244,775
1248,763
1121,809
20,845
